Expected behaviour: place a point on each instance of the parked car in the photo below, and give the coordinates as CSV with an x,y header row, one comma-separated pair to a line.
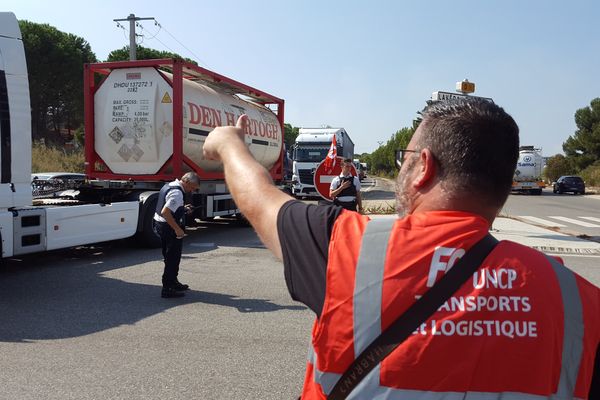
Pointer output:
x,y
54,183
65,176
569,184
359,170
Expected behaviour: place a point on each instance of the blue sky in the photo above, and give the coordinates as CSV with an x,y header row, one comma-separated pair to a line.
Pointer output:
x,y
369,66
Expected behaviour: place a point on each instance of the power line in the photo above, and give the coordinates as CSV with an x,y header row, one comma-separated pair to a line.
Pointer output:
x,y
155,24
184,46
167,47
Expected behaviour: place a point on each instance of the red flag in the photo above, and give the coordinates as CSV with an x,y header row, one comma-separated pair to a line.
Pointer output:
x,y
332,155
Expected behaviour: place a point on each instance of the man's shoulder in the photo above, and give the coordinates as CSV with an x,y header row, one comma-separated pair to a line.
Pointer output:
x,y
176,184
296,210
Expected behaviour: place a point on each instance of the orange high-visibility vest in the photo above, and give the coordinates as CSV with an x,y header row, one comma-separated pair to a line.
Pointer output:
x,y
524,327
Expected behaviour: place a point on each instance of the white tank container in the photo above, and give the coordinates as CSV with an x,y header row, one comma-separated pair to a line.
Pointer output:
x,y
133,122
529,166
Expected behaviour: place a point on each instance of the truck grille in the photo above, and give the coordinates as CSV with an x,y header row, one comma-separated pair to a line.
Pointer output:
x,y
306,176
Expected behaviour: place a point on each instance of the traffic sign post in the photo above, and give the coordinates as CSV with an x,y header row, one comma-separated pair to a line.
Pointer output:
x,y
323,176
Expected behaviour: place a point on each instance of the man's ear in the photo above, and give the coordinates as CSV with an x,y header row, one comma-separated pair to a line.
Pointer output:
x,y
426,169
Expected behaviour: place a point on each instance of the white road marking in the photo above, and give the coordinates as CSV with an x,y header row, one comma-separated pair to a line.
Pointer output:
x,y
542,221
591,219
575,222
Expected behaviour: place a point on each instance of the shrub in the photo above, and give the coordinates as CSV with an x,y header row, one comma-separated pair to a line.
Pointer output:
x,y
53,159
591,175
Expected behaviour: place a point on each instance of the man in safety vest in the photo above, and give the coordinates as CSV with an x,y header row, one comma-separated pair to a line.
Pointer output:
x,y
345,189
524,326
169,225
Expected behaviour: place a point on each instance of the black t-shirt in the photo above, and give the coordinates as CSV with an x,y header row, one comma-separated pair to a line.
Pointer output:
x,y
304,231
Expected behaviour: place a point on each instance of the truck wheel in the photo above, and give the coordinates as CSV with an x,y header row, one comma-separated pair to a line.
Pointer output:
x,y
146,237
241,220
538,192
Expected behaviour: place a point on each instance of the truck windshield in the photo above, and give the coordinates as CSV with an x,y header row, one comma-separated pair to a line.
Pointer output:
x,y
307,154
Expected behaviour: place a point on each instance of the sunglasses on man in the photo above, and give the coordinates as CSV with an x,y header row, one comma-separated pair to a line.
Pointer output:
x,y
400,156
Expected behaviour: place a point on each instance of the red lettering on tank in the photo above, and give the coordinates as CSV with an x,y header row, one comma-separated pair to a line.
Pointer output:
x,y
262,129
230,118
194,113
206,120
216,117
254,127
269,131
247,130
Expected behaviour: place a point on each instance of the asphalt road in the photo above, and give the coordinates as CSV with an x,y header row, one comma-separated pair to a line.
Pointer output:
x,y
574,214
89,323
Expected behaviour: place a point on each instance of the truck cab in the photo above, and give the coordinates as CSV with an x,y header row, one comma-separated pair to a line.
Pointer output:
x,y
310,149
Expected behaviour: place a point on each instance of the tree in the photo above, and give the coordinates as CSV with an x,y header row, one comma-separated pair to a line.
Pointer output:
x,y
144,53
583,147
557,166
290,135
55,65
383,160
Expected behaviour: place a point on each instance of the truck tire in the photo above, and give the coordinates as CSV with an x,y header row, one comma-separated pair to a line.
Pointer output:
x,y
241,220
538,192
146,236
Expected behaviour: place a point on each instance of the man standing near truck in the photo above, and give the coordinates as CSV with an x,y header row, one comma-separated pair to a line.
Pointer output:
x,y
345,188
169,225
531,330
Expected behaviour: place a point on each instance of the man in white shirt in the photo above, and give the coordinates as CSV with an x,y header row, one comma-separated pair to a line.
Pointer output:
x,y
345,189
169,224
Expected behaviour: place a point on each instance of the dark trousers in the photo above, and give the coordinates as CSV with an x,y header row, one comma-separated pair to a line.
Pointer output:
x,y
348,205
171,251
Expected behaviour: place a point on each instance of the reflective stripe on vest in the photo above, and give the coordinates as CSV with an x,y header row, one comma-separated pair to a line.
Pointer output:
x,y
367,326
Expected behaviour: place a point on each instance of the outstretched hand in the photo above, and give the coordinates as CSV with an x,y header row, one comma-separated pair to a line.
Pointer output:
x,y
223,137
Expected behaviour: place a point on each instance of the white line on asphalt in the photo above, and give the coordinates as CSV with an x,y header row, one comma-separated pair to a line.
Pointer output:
x,y
542,221
576,222
591,219
370,187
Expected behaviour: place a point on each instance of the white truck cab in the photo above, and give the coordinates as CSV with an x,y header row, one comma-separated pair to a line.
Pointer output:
x,y
25,228
311,147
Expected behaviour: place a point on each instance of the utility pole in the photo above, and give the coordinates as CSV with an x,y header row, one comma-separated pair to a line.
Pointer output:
x,y
132,20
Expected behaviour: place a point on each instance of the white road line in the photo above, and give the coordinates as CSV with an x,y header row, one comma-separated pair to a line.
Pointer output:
x,y
542,221
576,222
591,219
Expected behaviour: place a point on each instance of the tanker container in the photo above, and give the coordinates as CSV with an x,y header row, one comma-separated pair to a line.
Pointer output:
x,y
134,124
146,123
528,173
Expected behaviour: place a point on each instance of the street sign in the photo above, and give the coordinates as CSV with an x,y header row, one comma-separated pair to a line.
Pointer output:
x,y
323,176
465,87
439,96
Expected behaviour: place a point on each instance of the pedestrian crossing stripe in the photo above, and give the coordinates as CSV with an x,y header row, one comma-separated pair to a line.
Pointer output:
x,y
541,221
577,222
591,219
551,223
